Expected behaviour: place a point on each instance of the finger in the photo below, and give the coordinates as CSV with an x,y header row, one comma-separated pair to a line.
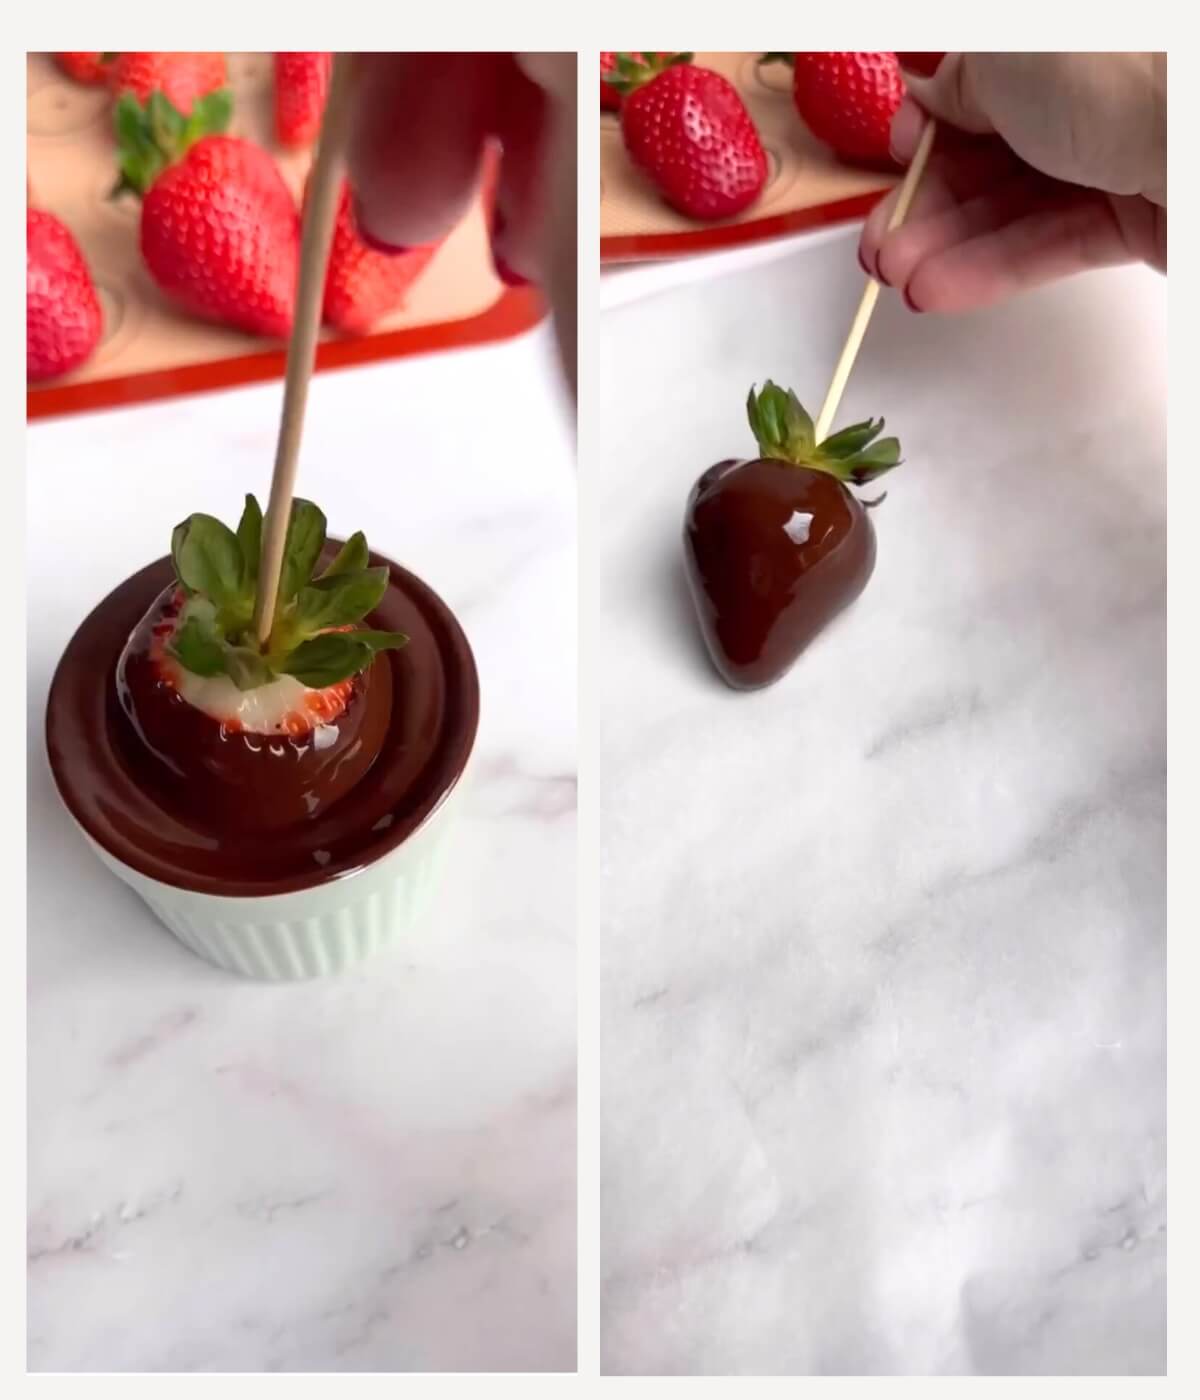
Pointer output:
x,y
1071,232
906,248
951,94
960,169
521,123
416,141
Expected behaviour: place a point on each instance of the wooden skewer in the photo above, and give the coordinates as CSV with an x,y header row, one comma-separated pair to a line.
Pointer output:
x,y
862,317
319,212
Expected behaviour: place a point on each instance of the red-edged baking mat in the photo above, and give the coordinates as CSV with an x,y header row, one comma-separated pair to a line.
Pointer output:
x,y
151,350
807,185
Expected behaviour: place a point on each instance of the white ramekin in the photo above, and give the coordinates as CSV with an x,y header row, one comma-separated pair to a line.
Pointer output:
x,y
306,933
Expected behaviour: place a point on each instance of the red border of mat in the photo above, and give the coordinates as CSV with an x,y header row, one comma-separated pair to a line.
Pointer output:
x,y
518,309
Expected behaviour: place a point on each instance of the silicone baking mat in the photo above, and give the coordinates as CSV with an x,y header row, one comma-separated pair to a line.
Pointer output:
x,y
807,186
151,350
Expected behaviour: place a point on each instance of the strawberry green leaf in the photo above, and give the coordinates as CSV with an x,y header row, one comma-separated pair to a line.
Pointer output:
x,y
327,659
352,556
178,535
780,423
247,668
198,648
337,601
381,641
852,439
305,541
209,559
880,457
249,536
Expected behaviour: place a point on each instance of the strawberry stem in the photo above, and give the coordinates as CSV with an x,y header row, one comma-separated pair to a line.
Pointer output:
x,y
784,431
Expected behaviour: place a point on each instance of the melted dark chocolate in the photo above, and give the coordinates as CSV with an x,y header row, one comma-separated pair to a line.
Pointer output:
x,y
773,553
402,744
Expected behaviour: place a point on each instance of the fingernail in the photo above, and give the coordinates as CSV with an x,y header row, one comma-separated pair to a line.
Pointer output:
x,y
862,262
508,275
907,125
921,65
908,301
371,240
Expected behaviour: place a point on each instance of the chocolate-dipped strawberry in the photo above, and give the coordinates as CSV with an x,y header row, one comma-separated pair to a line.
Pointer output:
x,y
249,736
777,547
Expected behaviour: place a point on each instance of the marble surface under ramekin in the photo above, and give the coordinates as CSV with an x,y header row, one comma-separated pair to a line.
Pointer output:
x,y
883,947
377,1171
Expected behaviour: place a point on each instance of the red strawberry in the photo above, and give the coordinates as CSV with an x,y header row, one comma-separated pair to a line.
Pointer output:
x,y
84,67
220,233
610,97
848,100
180,77
301,86
688,129
363,282
62,312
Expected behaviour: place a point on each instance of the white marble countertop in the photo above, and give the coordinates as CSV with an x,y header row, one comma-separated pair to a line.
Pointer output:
x,y
375,1172
883,947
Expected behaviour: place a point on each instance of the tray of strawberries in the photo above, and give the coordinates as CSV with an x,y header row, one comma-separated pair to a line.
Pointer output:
x,y
163,228
708,150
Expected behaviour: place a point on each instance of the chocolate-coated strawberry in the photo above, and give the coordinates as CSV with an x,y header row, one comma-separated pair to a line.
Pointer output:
x,y
776,547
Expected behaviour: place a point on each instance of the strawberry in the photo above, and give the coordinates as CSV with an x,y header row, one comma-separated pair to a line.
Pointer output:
x,y
220,233
610,96
85,67
182,78
301,86
363,282
778,546
847,100
62,311
257,734
688,129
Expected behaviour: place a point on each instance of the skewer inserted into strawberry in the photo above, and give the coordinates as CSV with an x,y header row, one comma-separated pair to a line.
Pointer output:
x,y
260,735
777,546
689,131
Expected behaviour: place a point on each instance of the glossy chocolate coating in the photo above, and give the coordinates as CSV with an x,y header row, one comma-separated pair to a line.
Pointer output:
x,y
249,782
773,553
115,788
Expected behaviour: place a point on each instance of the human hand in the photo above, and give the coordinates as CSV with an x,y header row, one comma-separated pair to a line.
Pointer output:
x,y
418,132
1044,165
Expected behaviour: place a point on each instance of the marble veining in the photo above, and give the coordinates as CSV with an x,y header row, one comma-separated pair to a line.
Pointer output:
x,y
374,1172
883,947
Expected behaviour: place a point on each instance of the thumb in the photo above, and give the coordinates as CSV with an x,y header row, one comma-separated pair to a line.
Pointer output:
x,y
950,94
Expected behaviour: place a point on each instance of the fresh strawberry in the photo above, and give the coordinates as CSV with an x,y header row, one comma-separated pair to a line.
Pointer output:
x,y
688,129
220,233
301,86
62,311
847,100
85,67
182,78
778,546
610,96
363,282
